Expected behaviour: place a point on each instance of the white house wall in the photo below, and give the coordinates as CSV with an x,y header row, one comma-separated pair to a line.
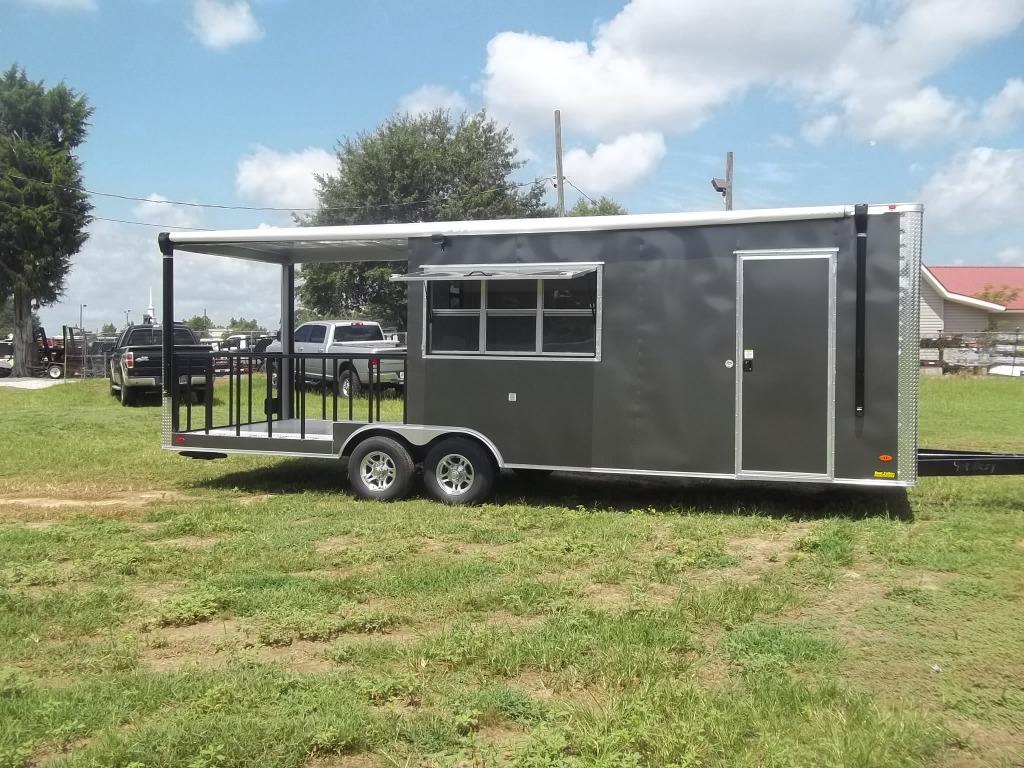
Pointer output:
x,y
931,311
959,318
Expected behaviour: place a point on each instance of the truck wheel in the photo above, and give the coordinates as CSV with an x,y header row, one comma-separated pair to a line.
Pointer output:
x,y
458,471
348,384
127,396
381,468
54,371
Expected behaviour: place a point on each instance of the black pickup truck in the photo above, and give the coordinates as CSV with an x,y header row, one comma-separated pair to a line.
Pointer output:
x,y
136,362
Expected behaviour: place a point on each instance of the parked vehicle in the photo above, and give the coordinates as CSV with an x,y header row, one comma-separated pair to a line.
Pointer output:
x,y
758,346
51,356
136,362
6,358
338,338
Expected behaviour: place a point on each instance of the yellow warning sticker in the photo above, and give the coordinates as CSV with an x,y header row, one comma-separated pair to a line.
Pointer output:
x,y
885,475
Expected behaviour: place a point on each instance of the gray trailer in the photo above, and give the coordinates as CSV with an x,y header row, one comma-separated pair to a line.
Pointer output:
x,y
761,345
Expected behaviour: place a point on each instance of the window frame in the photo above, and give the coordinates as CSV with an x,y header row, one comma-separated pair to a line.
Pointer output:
x,y
539,312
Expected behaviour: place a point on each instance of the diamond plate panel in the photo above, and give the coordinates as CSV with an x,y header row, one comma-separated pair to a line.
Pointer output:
x,y
909,344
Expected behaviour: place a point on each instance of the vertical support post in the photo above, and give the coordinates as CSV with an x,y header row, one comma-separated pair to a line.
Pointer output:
x,y
286,376
170,389
559,177
728,181
860,225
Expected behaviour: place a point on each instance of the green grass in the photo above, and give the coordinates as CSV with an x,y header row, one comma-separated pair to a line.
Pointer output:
x,y
156,611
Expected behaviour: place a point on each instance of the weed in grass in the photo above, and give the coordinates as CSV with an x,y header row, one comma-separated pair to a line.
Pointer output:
x,y
770,646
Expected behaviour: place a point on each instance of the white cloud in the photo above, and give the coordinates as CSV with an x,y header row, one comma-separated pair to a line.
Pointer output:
x,y
1004,110
978,190
1012,256
64,5
282,179
221,24
157,210
914,119
427,98
665,65
119,264
820,129
616,165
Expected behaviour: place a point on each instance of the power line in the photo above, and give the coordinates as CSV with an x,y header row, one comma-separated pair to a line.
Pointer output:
x,y
569,182
257,208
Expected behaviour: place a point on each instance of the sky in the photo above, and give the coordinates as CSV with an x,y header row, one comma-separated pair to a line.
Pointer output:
x,y
240,102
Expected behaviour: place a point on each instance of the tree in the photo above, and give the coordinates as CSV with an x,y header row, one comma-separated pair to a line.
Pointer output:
x,y
1003,295
603,206
108,329
43,212
241,325
201,324
432,167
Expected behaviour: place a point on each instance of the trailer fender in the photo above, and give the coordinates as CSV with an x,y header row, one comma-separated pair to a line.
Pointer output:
x,y
417,436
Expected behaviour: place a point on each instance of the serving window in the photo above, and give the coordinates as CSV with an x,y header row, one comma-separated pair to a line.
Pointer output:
x,y
512,310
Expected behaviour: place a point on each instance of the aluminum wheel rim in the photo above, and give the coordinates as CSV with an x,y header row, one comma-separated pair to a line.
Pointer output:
x,y
346,387
53,372
378,471
454,474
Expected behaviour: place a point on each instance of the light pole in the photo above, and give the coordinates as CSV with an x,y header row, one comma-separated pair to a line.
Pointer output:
x,y
126,322
81,317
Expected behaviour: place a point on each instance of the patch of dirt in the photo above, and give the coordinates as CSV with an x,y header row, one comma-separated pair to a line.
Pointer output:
x,y
986,746
204,644
661,595
301,656
931,581
760,554
343,761
532,684
607,596
511,621
848,597
52,754
190,542
337,544
156,592
146,527
132,499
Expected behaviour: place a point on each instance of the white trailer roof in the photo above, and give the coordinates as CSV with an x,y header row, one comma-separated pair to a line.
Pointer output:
x,y
389,242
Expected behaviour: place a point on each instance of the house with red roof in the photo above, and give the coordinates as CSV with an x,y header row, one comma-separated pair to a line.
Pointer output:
x,y
952,303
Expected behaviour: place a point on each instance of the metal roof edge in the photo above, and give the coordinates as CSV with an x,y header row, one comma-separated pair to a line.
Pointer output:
x,y
400,232
959,298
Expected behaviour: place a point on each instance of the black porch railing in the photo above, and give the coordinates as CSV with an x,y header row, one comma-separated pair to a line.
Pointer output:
x,y
244,390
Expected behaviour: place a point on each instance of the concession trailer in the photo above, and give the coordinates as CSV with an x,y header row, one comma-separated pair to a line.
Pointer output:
x,y
757,345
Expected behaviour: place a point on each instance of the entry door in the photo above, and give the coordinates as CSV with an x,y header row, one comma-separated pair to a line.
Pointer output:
x,y
785,362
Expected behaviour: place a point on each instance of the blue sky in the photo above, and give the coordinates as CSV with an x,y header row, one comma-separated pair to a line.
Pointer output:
x,y
823,101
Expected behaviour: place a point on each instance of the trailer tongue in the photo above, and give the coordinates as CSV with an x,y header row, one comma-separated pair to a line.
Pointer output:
x,y
938,462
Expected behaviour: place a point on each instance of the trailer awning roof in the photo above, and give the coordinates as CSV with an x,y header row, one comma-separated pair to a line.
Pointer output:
x,y
453,272
390,242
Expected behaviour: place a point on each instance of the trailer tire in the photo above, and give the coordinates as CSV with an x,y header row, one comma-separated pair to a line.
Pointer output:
x,y
381,468
348,384
458,471
54,371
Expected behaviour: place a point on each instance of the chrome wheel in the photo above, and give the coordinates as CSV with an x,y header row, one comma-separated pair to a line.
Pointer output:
x,y
454,474
378,471
346,387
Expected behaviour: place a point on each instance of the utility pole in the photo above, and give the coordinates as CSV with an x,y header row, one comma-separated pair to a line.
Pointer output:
x,y
81,317
559,177
724,186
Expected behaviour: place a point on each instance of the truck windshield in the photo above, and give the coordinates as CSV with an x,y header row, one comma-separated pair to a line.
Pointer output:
x,y
149,336
358,333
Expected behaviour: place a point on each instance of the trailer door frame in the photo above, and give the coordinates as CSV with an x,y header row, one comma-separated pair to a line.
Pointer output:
x,y
743,360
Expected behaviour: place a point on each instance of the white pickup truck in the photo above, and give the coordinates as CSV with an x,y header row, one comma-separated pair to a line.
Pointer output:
x,y
336,337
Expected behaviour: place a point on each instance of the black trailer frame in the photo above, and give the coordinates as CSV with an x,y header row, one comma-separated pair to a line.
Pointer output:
x,y
768,345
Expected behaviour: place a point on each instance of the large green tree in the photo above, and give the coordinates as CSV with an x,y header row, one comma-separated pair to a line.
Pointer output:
x,y
433,167
43,212
603,206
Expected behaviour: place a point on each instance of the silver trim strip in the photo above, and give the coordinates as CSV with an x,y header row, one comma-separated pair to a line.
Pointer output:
x,y
788,254
421,434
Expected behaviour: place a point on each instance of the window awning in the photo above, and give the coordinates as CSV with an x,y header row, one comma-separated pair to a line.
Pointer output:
x,y
454,272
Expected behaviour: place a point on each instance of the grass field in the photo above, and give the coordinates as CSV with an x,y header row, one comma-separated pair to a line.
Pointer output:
x,y
156,611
